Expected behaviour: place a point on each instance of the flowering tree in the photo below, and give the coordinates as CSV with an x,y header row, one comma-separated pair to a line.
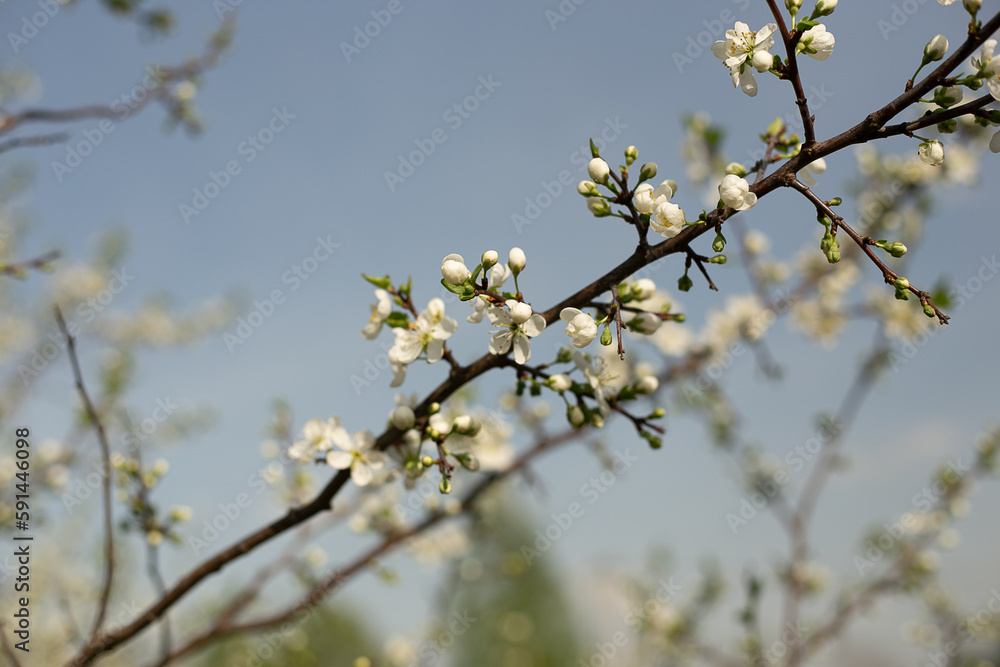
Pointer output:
x,y
629,354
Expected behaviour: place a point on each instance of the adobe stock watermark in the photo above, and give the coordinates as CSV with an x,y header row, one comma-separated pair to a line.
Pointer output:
x,y
605,651
722,361
248,150
123,106
86,311
960,294
562,12
768,487
31,25
83,487
211,529
971,625
295,276
432,650
566,179
701,42
898,17
454,117
877,547
591,491
363,35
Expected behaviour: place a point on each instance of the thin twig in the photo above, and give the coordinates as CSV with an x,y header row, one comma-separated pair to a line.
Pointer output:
x,y
109,541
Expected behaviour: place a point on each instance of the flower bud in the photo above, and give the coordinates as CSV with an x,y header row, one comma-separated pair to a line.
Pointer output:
x,y
560,382
647,385
631,153
642,289
931,152
520,312
972,6
793,6
718,259
490,257
824,7
599,207
598,170
647,171
762,61
606,336
946,97
454,271
929,310
736,168
896,249
403,417
427,461
445,485
587,188
575,416
936,48
684,283
901,283
719,243
516,260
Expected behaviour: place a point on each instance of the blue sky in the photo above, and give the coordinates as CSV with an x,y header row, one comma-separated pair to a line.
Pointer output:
x,y
539,89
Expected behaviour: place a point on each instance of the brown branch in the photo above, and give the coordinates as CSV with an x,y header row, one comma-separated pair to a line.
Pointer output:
x,y
865,243
868,129
315,596
109,538
792,74
20,268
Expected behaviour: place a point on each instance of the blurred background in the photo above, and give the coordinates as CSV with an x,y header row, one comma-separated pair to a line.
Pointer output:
x,y
309,128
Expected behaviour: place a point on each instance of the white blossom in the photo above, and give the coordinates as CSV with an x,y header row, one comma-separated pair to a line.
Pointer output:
x,y
989,67
812,170
735,193
381,308
356,453
453,269
513,334
931,152
580,326
646,198
740,44
429,332
667,219
816,42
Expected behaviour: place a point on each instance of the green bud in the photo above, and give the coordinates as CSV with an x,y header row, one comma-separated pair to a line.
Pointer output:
x,y
775,127
948,126
901,283
427,461
445,485
468,461
631,153
929,310
647,171
657,413
718,259
606,336
684,283
719,243
973,84
902,294
824,7
434,408
593,149
655,442
680,317
836,201
896,249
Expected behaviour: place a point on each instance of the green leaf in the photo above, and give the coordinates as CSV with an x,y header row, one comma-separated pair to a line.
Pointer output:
x,y
384,283
397,319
